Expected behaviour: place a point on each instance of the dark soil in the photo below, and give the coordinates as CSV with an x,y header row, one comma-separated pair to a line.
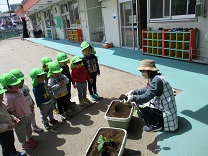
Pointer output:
x,y
111,149
119,110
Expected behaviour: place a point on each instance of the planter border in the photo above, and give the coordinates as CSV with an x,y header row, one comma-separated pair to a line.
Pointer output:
x,y
119,122
122,144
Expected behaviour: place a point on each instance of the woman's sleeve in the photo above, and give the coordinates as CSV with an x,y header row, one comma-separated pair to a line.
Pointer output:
x,y
155,89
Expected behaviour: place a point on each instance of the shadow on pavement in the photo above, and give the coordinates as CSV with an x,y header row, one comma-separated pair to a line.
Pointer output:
x,y
129,152
199,115
135,128
48,143
184,126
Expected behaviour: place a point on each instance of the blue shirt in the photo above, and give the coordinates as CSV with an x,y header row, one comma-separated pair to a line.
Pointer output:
x,y
41,94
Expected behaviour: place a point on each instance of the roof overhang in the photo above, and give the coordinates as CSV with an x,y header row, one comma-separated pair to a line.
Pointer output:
x,y
20,12
35,6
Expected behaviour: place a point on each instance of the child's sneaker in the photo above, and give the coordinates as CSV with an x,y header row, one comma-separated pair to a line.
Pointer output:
x,y
37,129
55,111
28,146
86,100
32,140
47,126
93,97
73,104
63,117
97,96
81,103
19,154
54,122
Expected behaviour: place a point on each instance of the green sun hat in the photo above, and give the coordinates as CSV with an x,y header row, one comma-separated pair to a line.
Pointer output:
x,y
84,45
54,67
76,59
2,81
18,74
34,73
8,79
2,91
45,60
62,57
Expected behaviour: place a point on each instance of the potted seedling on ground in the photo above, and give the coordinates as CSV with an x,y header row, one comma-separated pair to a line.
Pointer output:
x,y
107,141
104,143
119,114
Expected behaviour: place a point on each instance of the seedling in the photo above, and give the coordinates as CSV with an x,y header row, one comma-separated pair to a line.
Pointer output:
x,y
101,141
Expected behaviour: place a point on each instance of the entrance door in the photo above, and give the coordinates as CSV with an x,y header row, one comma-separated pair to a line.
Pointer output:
x,y
129,23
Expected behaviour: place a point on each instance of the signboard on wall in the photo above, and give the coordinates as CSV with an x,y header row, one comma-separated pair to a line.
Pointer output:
x,y
57,21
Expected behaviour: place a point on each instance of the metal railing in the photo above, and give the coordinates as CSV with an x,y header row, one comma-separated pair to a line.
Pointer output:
x,y
10,33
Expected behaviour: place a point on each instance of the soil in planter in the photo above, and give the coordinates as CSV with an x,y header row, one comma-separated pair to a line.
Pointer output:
x,y
111,149
119,110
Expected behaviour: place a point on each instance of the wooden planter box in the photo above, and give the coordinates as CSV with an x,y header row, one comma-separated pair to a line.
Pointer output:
x,y
119,137
119,122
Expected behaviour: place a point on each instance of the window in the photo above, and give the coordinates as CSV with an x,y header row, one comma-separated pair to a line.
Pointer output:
x,y
70,14
171,9
34,22
48,16
73,12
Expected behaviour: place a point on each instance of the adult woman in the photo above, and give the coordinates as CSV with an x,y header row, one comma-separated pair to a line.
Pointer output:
x,y
160,109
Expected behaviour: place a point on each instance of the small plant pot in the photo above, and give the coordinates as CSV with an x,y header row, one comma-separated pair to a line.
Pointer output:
x,y
119,137
120,116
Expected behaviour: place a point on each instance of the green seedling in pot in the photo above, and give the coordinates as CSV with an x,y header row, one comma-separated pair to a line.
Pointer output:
x,y
101,141
137,111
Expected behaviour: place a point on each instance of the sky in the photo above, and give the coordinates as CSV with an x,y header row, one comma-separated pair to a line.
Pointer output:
x,y
3,4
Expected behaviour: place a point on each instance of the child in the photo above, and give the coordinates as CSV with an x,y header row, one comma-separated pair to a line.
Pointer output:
x,y
7,123
63,60
45,61
91,64
79,78
57,83
17,106
26,92
42,97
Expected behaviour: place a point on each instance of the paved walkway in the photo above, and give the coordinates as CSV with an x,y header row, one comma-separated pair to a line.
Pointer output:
x,y
191,138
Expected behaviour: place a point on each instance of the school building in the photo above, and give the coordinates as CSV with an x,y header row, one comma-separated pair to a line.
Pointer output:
x,y
176,29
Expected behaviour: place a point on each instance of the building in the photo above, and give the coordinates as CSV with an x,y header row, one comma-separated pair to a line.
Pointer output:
x,y
118,21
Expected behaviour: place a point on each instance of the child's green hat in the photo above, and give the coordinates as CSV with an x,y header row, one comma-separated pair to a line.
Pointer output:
x,y
54,67
62,57
2,91
76,59
2,80
84,45
34,73
18,74
8,79
45,60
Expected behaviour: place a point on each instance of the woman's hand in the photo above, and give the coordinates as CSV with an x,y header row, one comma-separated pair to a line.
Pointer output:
x,y
129,92
130,98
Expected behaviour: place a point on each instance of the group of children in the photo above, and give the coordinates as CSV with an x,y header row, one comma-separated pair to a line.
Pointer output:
x,y
51,89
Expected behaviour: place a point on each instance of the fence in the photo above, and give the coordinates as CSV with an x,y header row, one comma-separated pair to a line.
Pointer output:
x,y
10,33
